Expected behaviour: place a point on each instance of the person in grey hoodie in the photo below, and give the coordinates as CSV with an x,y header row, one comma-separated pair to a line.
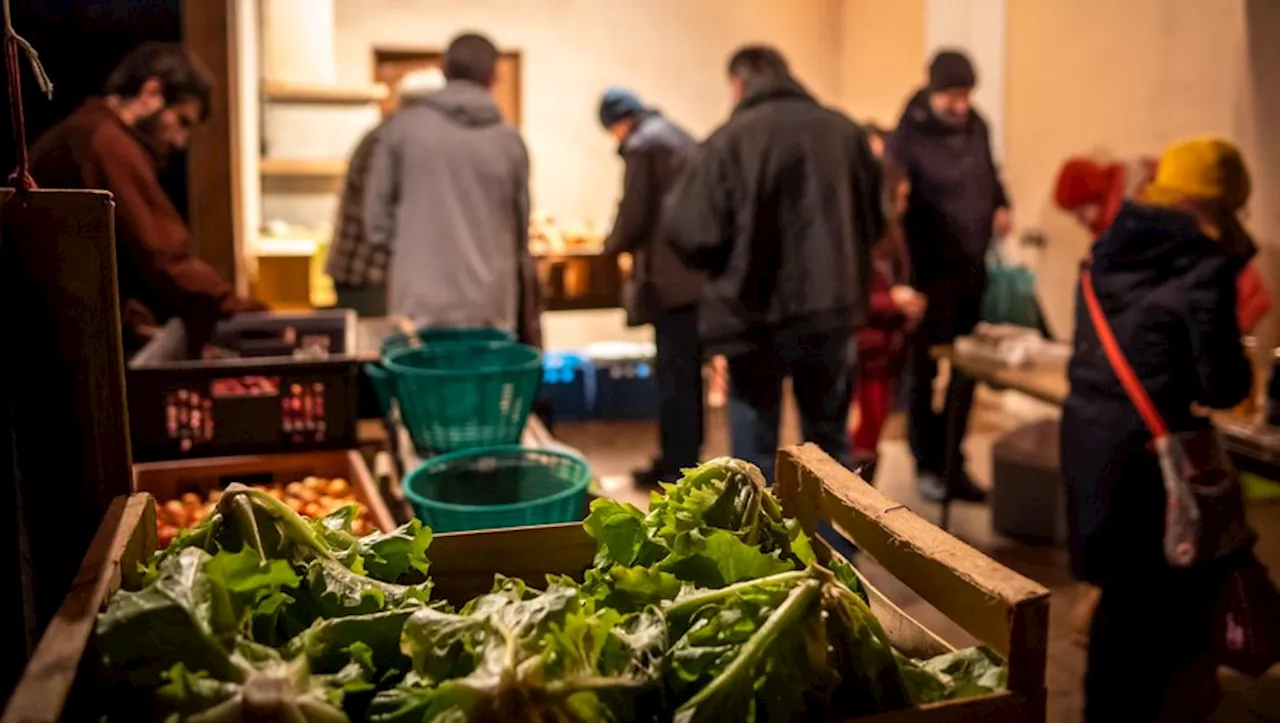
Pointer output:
x,y
448,192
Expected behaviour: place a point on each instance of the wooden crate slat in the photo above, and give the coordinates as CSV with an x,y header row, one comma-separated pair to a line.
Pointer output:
x,y
167,480
1005,610
126,535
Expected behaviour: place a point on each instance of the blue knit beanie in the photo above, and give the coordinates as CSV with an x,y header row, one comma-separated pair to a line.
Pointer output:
x,y
617,104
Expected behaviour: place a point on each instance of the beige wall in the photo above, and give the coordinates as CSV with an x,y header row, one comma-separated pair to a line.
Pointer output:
x,y
1125,78
881,57
671,52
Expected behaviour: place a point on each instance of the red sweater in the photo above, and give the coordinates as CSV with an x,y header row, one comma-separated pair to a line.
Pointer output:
x,y
159,276
882,341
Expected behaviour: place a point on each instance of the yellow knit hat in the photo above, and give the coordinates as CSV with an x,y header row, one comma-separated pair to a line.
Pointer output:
x,y
1209,169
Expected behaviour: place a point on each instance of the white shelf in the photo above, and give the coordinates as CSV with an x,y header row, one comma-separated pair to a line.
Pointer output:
x,y
295,168
291,93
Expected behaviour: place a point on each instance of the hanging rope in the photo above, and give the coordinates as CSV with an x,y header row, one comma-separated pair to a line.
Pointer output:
x,y
21,176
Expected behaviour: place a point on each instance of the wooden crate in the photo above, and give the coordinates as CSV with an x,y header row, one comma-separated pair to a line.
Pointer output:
x,y
1003,609
170,480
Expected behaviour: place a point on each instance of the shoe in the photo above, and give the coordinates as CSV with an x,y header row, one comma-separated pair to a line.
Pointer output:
x,y
931,487
962,489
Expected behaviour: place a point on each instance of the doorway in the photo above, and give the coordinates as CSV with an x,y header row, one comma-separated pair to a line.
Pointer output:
x,y
389,66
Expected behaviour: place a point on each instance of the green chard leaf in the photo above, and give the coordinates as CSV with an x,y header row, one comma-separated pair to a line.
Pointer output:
x,y
399,556
173,620
328,644
965,673
515,654
620,530
337,591
847,576
750,660
631,589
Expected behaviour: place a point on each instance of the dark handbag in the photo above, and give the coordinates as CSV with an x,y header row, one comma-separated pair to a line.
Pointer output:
x,y
1204,520
1247,619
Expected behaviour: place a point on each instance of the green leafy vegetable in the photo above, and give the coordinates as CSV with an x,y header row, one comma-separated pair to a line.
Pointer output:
x,y
712,606
960,674
779,647
518,655
717,526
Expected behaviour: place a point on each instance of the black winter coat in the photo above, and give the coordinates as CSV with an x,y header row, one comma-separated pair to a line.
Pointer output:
x,y
955,191
656,154
781,208
1169,293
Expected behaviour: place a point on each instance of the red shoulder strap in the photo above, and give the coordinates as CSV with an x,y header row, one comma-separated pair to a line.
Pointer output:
x,y
1128,379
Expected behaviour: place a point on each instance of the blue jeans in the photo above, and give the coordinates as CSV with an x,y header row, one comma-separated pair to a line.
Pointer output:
x,y
819,366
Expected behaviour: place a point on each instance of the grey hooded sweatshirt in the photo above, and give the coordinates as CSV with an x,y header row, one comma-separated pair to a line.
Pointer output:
x,y
448,191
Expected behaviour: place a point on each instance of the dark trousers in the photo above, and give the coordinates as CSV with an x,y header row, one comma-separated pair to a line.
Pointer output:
x,y
364,300
936,437
678,371
1148,648
819,366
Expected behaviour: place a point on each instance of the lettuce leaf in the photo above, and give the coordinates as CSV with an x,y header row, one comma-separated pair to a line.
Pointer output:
x,y
717,526
518,654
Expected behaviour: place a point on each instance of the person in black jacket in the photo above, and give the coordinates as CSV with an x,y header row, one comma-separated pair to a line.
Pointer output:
x,y
665,292
781,208
1164,274
942,151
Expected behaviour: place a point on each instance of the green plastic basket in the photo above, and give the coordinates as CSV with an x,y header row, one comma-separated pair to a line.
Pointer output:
x,y
462,395
512,486
398,340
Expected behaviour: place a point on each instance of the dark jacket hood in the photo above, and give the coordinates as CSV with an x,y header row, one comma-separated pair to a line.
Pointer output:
x,y
919,117
465,103
1152,241
780,89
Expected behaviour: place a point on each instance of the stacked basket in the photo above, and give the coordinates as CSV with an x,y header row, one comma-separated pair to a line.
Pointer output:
x,y
464,395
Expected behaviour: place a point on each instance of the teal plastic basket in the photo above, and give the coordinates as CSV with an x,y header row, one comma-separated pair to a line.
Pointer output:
x,y
462,395
496,487
398,340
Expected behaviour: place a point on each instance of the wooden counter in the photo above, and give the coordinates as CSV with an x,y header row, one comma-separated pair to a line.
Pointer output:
x,y
1254,446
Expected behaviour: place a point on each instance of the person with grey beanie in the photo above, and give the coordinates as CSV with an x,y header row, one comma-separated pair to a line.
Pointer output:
x,y
663,291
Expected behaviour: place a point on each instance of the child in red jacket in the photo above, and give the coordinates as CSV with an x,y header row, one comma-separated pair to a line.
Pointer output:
x,y
893,312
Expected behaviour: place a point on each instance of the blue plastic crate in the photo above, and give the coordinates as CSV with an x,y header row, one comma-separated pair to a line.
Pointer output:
x,y
569,385
626,389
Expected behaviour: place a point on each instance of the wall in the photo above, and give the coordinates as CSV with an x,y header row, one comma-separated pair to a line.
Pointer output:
x,y
1154,71
882,57
978,28
671,52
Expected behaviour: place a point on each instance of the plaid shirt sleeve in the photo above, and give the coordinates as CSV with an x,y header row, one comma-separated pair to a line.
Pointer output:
x,y
353,261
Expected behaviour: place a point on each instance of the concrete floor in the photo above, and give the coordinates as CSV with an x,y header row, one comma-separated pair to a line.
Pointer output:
x,y
615,448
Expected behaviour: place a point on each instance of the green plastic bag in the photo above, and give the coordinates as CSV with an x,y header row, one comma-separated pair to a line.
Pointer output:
x,y
1010,296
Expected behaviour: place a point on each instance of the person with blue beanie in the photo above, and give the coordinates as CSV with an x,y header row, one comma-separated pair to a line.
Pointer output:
x,y
663,291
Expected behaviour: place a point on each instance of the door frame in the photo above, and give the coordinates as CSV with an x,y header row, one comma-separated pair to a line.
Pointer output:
x,y
383,53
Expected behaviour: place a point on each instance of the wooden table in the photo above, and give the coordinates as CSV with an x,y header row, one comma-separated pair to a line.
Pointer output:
x,y
1046,382
1253,446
